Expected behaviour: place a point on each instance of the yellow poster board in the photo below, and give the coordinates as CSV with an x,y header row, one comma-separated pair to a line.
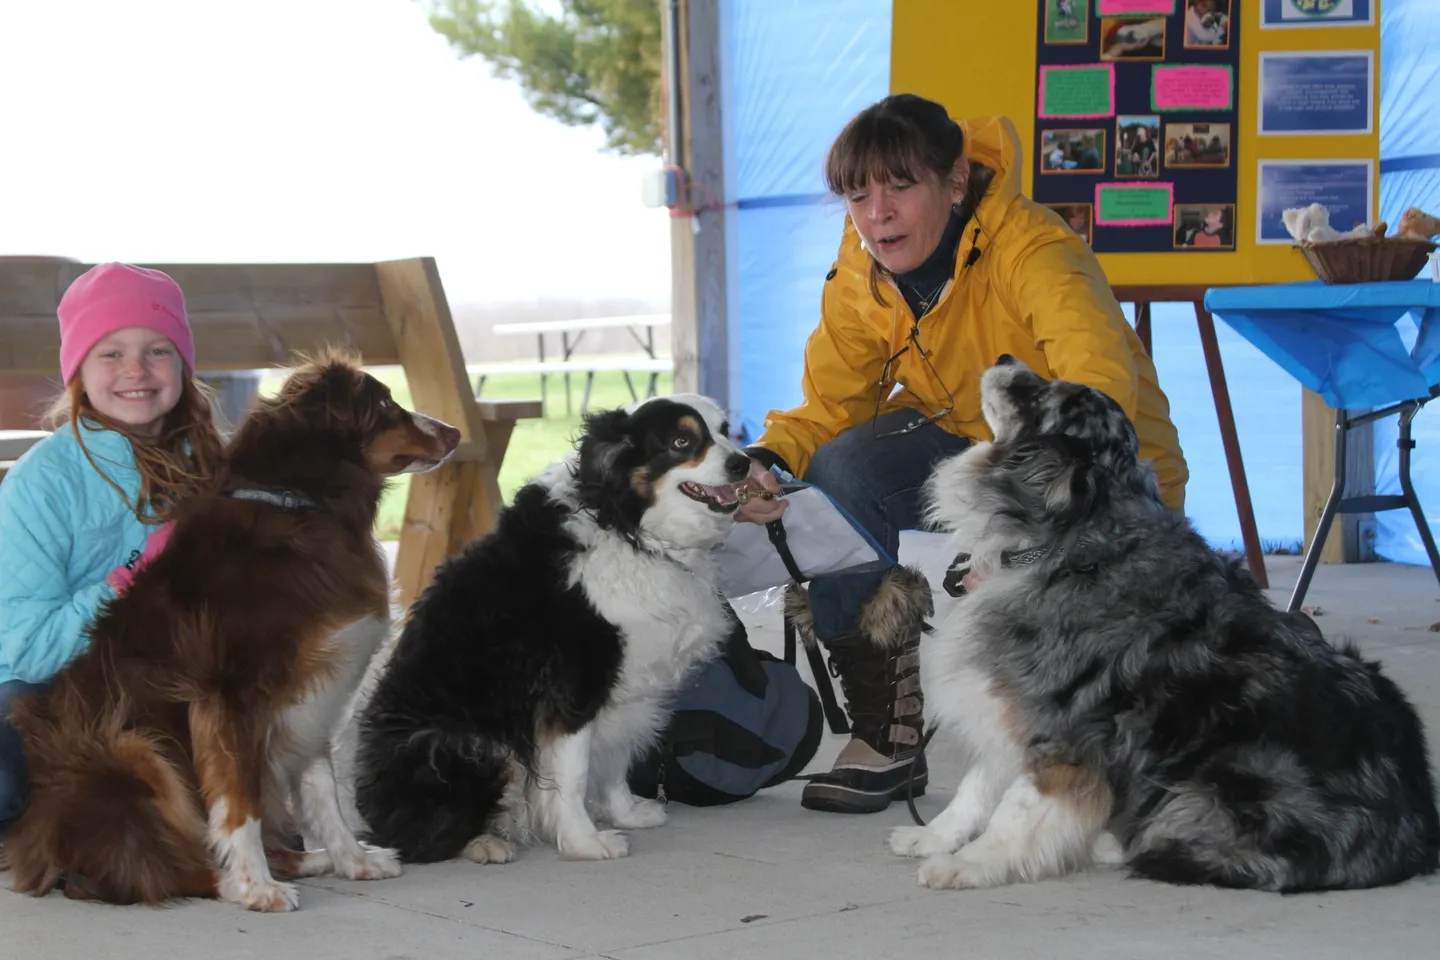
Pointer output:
x,y
979,57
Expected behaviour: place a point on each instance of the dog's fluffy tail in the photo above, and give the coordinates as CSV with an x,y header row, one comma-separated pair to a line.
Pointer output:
x,y
427,792
110,816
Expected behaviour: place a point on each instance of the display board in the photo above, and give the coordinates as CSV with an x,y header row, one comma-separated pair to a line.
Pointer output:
x,y
1231,110
1134,134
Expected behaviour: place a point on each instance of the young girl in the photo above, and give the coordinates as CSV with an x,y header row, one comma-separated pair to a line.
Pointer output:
x,y
87,506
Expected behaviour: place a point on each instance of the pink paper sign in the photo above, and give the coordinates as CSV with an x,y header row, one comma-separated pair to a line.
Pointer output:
x,y
1077,93
1134,204
1187,87
1124,8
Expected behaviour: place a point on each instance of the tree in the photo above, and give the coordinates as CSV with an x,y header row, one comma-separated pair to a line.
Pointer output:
x,y
596,62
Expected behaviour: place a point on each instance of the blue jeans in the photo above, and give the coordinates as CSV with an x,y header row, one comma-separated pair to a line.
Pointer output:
x,y
14,782
878,481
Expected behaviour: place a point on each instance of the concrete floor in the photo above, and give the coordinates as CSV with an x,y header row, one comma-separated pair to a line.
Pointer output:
x,y
765,878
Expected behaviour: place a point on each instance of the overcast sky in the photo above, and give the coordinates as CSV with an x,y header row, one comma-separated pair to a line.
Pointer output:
x,y
298,130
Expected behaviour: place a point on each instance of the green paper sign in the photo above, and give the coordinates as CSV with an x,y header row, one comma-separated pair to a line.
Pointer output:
x,y
1072,93
1133,205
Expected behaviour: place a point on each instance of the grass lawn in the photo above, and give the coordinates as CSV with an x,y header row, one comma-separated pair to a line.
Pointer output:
x,y
535,444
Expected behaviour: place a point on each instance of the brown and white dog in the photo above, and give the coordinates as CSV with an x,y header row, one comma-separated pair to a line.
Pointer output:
x,y
177,756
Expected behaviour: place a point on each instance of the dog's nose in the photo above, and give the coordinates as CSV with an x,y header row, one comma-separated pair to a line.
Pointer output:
x,y
1005,360
737,465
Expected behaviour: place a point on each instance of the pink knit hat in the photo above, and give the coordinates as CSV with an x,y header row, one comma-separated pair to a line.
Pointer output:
x,y
113,296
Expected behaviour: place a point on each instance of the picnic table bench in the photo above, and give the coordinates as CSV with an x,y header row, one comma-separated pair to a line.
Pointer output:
x,y
641,326
260,316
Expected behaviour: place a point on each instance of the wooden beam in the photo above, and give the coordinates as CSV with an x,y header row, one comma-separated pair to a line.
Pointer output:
x,y
245,316
450,506
700,329
1348,544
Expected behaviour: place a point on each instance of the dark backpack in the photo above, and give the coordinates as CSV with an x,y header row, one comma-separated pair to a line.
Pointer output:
x,y
745,722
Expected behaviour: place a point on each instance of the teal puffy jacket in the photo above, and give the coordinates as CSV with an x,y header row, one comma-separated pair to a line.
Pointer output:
x,y
63,528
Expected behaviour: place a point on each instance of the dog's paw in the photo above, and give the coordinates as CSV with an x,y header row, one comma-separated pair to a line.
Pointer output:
x,y
488,848
642,815
264,897
918,842
314,863
1106,851
950,872
373,863
604,845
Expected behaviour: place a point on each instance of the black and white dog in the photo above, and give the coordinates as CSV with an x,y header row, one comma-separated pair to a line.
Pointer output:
x,y
542,659
1127,695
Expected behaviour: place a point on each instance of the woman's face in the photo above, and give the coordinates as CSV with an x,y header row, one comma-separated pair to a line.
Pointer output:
x,y
902,221
1214,220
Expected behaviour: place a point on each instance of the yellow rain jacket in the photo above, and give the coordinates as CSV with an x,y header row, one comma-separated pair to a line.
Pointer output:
x,y
1034,290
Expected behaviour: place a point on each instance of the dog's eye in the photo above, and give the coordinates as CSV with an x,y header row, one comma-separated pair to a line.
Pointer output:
x,y
681,443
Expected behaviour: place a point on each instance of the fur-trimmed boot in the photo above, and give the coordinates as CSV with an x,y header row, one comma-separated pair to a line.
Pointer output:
x,y
879,673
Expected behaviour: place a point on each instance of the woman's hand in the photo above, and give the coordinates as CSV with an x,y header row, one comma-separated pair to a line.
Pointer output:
x,y
760,509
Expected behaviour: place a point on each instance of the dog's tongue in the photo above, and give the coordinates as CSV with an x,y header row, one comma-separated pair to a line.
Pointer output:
x,y
723,494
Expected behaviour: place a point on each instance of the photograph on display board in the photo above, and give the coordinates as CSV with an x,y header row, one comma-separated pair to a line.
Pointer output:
x,y
1131,39
1067,22
1197,144
1207,24
1205,226
1077,217
1073,151
1137,146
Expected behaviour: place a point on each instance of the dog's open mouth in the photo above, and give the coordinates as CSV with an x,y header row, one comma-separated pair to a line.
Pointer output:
x,y
719,498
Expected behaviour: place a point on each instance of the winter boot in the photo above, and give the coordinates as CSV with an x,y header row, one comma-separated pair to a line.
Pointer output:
x,y
879,672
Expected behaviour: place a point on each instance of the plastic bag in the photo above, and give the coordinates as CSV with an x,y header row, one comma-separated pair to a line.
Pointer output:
x,y
821,536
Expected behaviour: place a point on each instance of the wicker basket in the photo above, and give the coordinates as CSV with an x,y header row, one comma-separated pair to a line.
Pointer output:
x,y
1368,259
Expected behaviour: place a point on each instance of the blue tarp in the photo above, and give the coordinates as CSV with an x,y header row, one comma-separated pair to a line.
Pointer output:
x,y
795,72
1409,177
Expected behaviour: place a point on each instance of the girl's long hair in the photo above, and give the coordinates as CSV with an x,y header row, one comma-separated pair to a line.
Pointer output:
x,y
181,462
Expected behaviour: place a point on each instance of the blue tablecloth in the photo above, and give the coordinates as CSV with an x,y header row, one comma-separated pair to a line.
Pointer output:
x,y
1340,340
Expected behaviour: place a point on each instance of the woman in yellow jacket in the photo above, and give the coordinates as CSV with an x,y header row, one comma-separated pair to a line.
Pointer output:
x,y
943,267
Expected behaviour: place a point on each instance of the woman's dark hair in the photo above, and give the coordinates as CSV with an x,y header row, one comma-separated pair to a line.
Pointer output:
x,y
901,137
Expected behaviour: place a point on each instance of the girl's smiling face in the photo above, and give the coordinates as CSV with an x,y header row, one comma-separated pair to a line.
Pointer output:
x,y
134,376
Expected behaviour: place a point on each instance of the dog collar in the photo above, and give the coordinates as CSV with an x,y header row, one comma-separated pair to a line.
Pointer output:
x,y
285,499
959,579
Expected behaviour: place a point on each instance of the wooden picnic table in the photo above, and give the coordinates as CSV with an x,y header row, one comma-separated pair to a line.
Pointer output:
x,y
641,326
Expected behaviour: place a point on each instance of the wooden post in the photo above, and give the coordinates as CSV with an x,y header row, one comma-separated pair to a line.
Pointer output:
x,y
452,505
700,329
1318,425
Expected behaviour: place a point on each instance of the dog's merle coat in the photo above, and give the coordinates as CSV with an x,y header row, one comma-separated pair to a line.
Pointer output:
x,y
541,659
1135,681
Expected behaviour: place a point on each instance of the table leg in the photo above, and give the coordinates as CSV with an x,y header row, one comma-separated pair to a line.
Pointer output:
x,y
1327,516
585,400
566,346
1408,490
1231,440
1142,327
540,345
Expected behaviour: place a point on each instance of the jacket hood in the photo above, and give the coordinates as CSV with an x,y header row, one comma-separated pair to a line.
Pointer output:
x,y
995,142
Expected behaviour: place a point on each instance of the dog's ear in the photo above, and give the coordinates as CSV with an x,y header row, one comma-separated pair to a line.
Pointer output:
x,y
1057,475
603,474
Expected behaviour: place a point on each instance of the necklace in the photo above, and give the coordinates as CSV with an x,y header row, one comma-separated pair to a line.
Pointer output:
x,y
928,303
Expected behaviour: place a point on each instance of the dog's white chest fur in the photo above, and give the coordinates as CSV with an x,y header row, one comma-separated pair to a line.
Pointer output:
x,y
306,728
670,616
